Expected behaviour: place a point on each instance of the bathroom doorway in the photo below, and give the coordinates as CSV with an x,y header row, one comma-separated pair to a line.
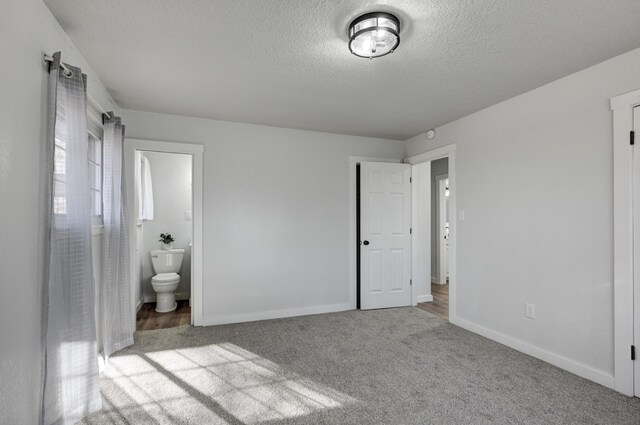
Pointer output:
x,y
165,226
163,204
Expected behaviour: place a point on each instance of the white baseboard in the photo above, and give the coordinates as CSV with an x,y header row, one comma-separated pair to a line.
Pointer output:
x,y
139,305
274,314
434,279
425,298
179,297
569,365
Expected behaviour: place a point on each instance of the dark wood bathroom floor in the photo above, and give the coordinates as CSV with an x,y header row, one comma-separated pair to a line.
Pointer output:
x,y
148,319
440,304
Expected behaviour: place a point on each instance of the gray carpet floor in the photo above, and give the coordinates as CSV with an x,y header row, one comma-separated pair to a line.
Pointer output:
x,y
396,366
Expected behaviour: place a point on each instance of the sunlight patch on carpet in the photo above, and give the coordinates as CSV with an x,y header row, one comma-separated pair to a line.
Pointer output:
x,y
218,383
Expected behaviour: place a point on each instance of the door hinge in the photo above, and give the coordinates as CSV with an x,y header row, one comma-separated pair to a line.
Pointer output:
x,y
633,352
410,282
632,137
410,230
410,180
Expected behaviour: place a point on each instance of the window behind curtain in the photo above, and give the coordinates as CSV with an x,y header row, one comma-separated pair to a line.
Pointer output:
x,y
95,177
94,162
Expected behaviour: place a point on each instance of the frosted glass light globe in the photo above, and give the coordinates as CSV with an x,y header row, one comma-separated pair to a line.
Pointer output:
x,y
374,34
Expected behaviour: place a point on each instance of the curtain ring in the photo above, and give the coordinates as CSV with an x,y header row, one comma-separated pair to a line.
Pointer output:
x,y
65,71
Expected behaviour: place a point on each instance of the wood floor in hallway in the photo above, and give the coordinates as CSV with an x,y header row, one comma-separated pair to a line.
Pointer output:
x,y
440,304
148,319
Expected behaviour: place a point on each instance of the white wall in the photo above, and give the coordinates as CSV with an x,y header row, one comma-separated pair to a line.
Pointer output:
x,y
276,215
535,179
438,167
27,30
171,181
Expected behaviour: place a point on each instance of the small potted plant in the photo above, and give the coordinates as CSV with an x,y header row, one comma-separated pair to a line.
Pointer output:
x,y
166,240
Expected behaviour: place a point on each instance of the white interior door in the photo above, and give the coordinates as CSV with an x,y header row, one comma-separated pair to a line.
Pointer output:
x,y
385,238
636,250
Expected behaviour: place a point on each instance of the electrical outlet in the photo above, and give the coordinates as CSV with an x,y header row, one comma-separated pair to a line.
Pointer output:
x,y
530,310
187,215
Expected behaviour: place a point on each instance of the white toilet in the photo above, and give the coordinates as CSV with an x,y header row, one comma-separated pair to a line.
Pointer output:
x,y
166,264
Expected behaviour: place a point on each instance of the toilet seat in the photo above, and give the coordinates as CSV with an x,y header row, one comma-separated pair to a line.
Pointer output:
x,y
165,279
164,284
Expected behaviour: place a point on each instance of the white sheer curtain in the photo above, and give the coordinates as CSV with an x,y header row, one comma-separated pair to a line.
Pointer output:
x,y
71,381
116,313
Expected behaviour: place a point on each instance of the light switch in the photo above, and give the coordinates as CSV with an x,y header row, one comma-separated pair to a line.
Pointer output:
x,y
460,215
530,310
187,215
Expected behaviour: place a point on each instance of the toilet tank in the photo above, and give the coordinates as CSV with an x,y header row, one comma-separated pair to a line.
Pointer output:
x,y
167,260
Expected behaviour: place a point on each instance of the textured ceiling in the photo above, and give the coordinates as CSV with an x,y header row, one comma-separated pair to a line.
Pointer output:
x,y
286,62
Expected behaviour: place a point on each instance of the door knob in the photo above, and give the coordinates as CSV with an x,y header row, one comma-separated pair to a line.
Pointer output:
x,y
365,243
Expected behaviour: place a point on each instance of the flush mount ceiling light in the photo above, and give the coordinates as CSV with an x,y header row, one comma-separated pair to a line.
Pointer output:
x,y
374,34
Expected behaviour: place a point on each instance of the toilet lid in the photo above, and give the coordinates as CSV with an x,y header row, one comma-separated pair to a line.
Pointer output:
x,y
165,277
